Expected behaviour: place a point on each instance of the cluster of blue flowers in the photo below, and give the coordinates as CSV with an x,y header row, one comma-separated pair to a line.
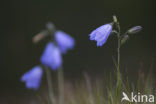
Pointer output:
x,y
51,57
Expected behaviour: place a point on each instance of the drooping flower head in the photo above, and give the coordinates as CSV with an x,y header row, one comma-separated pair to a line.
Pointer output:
x,y
51,57
32,78
64,41
101,34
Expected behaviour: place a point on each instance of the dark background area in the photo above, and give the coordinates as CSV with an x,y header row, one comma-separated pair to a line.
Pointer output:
x,y
22,19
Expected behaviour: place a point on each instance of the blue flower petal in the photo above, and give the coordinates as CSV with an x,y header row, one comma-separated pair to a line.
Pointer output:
x,y
64,41
57,59
33,78
92,35
101,34
51,57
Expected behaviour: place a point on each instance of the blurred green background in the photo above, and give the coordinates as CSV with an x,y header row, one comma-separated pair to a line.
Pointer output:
x,y
23,19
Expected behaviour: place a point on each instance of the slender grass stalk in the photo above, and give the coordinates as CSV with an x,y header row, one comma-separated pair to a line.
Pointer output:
x,y
89,88
50,88
61,85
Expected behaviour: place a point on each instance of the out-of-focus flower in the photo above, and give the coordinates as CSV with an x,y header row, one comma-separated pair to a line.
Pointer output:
x,y
33,78
51,57
64,41
101,34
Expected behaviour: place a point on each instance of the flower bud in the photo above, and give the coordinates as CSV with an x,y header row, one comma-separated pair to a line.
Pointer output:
x,y
115,19
134,30
124,39
50,26
40,36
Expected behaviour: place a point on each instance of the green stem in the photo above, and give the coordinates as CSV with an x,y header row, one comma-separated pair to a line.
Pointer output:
x,y
118,51
119,44
118,90
118,65
50,88
61,86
